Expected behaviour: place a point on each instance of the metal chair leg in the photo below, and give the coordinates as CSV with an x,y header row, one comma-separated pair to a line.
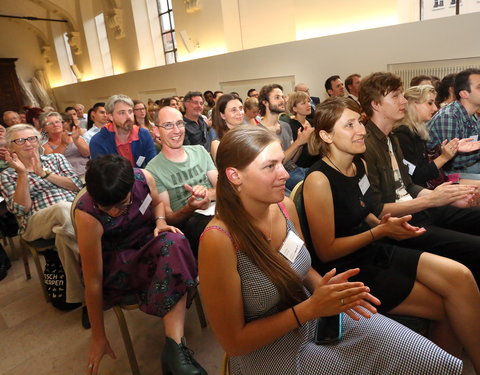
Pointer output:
x,y
26,265
127,340
38,266
200,312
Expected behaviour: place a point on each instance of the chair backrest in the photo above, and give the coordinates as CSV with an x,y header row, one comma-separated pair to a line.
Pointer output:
x,y
74,204
297,197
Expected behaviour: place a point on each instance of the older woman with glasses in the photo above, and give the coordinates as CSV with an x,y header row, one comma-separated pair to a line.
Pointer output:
x,y
39,190
66,140
131,255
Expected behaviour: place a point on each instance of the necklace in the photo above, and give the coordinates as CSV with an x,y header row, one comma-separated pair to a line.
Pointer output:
x,y
338,169
269,238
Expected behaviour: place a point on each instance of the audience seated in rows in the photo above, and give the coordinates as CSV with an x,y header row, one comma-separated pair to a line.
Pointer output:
x,y
446,91
39,190
343,233
299,106
65,141
196,128
82,116
251,111
121,136
450,231
334,86
99,117
412,133
227,114
314,100
11,118
128,250
352,84
272,104
460,120
185,176
262,297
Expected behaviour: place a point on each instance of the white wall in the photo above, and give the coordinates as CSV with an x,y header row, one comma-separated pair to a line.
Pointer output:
x,y
310,61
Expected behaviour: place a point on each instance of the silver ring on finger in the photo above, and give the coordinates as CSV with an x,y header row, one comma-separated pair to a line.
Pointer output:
x,y
342,301
90,365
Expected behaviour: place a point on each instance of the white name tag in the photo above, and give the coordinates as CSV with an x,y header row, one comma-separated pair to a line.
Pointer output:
x,y
140,161
364,184
145,204
411,167
291,246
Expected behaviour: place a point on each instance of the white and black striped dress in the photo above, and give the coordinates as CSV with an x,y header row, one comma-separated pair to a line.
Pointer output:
x,y
377,345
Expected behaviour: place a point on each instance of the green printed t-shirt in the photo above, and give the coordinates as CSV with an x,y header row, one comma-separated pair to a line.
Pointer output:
x,y
171,176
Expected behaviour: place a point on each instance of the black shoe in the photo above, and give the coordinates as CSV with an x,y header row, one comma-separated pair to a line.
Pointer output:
x,y
177,360
85,318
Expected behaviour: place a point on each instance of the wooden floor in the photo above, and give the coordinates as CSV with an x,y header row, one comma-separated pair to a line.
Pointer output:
x,y
36,338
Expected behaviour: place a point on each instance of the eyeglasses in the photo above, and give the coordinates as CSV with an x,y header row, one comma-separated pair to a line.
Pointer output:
x,y
21,141
170,125
140,109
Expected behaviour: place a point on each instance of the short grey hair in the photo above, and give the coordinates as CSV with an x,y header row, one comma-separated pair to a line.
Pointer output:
x,y
8,112
44,116
9,135
114,99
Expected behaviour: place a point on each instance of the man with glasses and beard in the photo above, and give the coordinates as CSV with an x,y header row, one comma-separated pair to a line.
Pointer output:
x,y
121,136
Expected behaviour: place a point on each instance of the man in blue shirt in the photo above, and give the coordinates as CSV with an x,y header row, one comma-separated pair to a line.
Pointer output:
x,y
121,136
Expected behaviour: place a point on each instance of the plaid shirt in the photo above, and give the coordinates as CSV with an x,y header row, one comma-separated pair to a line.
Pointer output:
x,y
42,192
453,121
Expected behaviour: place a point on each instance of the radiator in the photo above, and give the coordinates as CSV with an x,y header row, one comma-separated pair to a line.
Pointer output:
x,y
438,68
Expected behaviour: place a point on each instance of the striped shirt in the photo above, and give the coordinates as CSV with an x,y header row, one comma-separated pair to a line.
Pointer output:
x,y
42,192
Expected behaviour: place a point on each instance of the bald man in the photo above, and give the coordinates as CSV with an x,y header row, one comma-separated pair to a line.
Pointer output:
x,y
185,177
11,118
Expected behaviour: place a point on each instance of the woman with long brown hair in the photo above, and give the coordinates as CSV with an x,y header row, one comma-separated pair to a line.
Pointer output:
x,y
262,296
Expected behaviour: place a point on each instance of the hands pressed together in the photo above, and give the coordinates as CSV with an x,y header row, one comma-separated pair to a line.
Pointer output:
x,y
335,294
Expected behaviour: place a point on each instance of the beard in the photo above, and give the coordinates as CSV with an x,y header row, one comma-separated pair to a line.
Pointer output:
x,y
276,109
126,125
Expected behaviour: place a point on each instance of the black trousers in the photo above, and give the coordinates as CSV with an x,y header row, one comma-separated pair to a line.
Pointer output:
x,y
451,232
193,228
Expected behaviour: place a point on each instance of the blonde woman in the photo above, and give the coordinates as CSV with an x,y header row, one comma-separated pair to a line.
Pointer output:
x,y
426,167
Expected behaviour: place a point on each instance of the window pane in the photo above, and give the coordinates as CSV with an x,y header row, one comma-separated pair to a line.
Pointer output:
x,y
163,6
167,41
165,19
172,21
170,57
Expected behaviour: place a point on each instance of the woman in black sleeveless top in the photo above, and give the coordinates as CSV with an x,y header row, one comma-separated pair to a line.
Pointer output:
x,y
343,233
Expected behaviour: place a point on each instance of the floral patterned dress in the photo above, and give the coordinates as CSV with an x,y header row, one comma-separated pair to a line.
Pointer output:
x,y
154,272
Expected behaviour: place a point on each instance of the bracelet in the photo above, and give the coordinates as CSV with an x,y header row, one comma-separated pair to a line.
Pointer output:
x,y
160,218
373,237
296,317
46,175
